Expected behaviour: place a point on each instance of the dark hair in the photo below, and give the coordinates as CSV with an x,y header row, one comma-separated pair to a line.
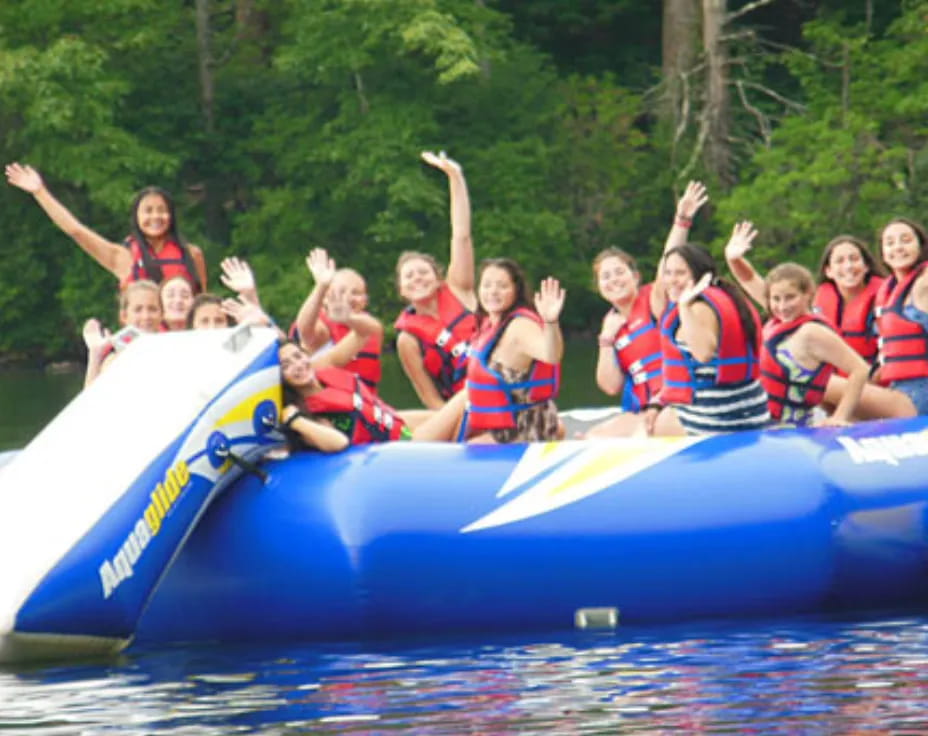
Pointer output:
x,y
201,300
920,234
874,268
151,267
292,396
700,261
523,293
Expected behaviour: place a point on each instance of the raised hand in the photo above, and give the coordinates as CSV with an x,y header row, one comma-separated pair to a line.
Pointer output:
x,y
549,299
245,312
441,161
237,275
612,323
96,336
338,305
742,238
24,177
321,266
694,197
689,294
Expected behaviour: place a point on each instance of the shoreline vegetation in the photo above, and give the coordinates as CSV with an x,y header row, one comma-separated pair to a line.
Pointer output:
x,y
280,129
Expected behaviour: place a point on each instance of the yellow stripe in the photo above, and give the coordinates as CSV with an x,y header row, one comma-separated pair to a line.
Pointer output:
x,y
597,466
609,459
243,411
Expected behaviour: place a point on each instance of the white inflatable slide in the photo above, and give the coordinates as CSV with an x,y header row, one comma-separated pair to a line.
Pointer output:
x,y
95,508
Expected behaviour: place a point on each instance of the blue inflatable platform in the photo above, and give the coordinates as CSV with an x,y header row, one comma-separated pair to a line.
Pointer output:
x,y
409,538
162,532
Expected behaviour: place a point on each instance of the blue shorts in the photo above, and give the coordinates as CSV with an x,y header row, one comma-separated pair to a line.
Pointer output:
x,y
917,390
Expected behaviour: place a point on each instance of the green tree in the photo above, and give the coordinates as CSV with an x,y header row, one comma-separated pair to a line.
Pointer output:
x,y
852,158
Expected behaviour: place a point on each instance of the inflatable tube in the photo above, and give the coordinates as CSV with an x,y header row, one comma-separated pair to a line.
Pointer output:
x,y
107,530
95,509
412,538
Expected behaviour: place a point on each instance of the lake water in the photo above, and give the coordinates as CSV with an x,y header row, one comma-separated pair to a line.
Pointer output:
x,y
812,676
787,677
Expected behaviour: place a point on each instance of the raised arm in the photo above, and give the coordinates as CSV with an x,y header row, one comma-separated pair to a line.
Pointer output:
x,y
699,327
742,237
362,325
313,333
249,313
460,275
544,343
112,256
96,338
692,200
238,276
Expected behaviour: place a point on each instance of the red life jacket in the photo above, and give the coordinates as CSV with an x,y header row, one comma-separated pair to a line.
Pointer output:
x,y
367,362
854,319
903,342
781,391
491,403
444,340
173,260
372,419
637,348
736,360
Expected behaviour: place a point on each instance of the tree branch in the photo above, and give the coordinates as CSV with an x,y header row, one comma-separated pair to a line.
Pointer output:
x,y
750,7
362,99
704,124
762,121
786,102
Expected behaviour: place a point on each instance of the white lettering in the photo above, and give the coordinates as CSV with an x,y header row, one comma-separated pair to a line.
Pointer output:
x,y
108,578
889,449
113,572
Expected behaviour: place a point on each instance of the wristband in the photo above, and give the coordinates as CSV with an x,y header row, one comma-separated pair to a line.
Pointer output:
x,y
605,342
683,221
293,417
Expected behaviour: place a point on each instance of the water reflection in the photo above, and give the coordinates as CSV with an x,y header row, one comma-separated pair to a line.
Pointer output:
x,y
800,677
29,399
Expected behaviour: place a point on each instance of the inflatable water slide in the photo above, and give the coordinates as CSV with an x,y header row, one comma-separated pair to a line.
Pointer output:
x,y
138,516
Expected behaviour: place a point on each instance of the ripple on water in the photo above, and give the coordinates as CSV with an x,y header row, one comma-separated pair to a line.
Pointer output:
x,y
794,677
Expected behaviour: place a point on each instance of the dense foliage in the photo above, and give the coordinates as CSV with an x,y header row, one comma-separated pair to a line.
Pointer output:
x,y
288,124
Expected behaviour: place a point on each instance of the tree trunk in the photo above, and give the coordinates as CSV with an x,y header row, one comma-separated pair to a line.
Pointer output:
x,y
211,194
679,37
717,107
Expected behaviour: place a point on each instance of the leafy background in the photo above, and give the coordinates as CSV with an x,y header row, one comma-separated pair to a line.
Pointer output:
x,y
280,125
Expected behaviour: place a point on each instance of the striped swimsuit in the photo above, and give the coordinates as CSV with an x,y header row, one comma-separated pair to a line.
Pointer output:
x,y
722,408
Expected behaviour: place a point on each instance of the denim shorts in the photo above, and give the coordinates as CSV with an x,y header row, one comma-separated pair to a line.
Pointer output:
x,y
917,390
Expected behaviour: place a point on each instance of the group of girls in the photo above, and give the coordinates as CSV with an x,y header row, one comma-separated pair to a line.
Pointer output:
x,y
482,354
688,351
694,357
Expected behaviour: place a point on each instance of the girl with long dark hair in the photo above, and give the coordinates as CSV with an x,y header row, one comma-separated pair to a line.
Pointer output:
x,y
154,249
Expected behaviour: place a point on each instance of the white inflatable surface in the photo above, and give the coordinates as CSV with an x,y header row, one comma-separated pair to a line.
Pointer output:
x,y
54,490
